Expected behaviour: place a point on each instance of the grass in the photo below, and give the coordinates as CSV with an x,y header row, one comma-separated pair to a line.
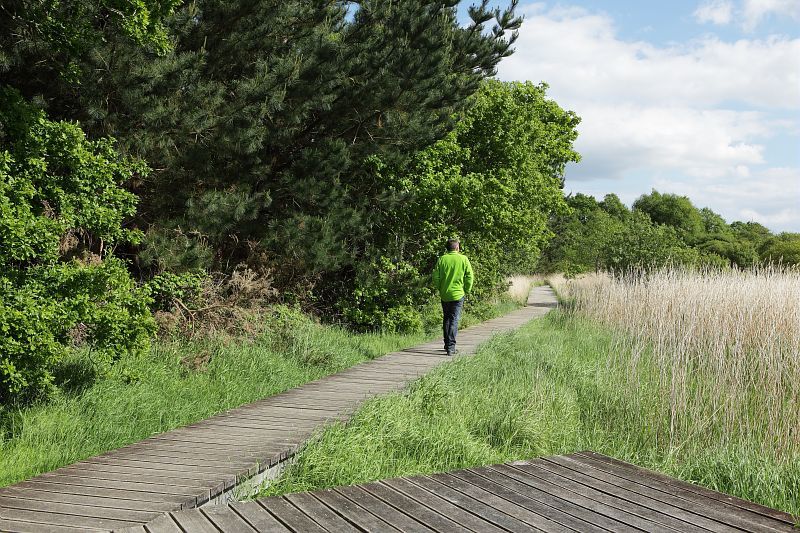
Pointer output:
x,y
544,389
182,381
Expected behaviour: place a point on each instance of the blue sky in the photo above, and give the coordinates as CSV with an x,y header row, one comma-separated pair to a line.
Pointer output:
x,y
694,97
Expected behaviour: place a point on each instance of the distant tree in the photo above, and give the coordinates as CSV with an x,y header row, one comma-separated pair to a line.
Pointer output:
x,y
713,223
612,205
753,232
675,211
580,236
783,248
740,253
642,244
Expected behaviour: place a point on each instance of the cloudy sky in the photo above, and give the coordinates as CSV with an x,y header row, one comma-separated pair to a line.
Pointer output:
x,y
695,97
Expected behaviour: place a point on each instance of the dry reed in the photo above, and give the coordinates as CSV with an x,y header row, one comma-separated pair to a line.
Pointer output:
x,y
519,286
705,359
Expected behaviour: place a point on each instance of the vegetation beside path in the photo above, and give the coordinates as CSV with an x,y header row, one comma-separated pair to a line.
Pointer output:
x,y
181,381
548,388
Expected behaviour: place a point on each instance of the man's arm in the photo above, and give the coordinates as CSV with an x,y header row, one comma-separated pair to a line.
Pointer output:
x,y
469,277
436,276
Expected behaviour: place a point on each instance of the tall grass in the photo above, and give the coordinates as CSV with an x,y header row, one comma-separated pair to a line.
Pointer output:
x,y
710,359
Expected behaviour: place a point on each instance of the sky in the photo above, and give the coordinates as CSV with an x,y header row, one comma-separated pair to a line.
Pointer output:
x,y
694,97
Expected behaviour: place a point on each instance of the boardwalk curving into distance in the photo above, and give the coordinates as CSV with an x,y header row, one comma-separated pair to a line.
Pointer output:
x,y
583,492
202,463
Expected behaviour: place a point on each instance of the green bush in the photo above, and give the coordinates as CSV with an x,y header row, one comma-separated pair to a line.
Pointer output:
x,y
168,287
61,213
387,297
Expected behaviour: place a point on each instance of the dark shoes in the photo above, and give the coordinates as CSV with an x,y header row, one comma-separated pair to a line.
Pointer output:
x,y
451,352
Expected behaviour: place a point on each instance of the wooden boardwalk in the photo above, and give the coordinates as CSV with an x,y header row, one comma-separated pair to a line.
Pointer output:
x,y
584,492
203,462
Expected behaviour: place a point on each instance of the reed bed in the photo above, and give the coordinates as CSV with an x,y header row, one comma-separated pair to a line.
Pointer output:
x,y
704,359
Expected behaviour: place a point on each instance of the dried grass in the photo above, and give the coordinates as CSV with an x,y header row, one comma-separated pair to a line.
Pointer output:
x,y
520,286
708,358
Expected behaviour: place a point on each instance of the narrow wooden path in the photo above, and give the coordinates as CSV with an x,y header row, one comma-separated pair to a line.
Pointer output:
x,y
583,492
203,462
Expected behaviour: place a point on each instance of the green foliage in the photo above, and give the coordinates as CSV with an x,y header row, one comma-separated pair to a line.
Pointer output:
x,y
641,244
675,211
783,248
168,287
661,229
61,211
46,39
262,141
387,297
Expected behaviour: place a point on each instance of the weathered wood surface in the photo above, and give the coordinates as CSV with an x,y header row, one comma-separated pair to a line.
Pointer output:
x,y
189,466
584,492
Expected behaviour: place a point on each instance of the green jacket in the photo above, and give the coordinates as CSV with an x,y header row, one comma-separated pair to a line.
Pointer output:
x,y
452,276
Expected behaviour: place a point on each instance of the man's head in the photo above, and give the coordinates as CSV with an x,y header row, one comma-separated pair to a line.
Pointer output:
x,y
453,245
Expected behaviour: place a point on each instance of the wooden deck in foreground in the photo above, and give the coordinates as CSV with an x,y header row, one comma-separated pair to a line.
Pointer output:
x,y
201,463
583,492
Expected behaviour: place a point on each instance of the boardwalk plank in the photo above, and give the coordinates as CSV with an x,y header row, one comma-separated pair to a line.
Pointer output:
x,y
628,515
493,508
730,507
257,517
319,512
409,507
352,512
540,501
78,484
163,524
289,515
383,511
104,492
80,499
614,503
441,506
57,519
194,521
711,518
226,520
72,509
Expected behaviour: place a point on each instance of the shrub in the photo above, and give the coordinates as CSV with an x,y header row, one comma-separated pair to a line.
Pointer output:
x,y
386,297
61,213
168,287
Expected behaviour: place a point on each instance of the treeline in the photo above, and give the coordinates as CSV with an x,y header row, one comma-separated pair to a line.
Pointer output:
x,y
660,229
325,148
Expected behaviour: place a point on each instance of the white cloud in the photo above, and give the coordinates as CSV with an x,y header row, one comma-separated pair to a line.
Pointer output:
x,y
619,138
769,197
718,12
578,52
701,112
754,11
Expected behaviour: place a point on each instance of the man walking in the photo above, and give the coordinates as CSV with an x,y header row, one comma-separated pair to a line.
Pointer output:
x,y
453,278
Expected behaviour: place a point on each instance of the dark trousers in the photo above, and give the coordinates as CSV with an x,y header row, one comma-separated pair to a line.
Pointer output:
x,y
452,314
